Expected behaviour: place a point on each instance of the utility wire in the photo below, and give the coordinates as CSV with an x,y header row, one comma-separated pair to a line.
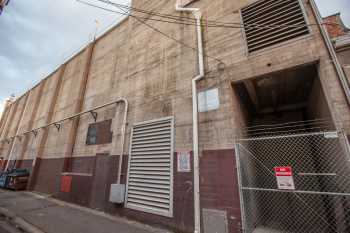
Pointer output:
x,y
173,19
152,27
126,13
209,23
140,17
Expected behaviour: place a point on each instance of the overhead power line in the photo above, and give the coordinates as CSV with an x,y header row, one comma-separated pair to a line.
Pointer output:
x,y
192,21
152,27
174,19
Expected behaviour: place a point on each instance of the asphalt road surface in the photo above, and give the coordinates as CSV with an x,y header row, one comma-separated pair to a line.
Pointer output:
x,y
7,228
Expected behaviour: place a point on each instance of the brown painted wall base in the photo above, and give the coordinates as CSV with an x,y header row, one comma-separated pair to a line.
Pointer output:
x,y
46,176
18,164
219,185
92,177
28,163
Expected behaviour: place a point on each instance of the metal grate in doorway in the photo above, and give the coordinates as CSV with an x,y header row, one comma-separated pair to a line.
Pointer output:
x,y
288,128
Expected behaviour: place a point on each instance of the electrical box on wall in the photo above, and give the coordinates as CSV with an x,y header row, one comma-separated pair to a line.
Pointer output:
x,y
66,184
117,193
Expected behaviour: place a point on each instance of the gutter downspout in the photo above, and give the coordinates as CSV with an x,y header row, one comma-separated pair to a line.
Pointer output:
x,y
197,211
122,141
17,130
328,42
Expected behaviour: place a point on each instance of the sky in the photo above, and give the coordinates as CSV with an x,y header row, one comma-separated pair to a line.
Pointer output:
x,y
38,35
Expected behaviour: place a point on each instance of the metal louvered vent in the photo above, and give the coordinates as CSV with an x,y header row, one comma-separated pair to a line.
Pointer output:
x,y
268,22
150,170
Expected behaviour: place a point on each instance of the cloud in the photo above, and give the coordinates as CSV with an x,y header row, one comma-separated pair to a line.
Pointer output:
x,y
39,37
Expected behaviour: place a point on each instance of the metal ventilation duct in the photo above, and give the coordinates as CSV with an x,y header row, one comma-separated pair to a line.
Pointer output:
x,y
151,167
268,22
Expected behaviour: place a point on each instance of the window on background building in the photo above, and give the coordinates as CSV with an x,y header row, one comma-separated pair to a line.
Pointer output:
x,y
99,133
268,22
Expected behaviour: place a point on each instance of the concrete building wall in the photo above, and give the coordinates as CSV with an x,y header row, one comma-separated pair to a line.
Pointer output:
x,y
154,74
27,123
12,126
344,56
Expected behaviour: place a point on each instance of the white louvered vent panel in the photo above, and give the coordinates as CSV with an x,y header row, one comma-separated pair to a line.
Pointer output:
x,y
268,22
150,167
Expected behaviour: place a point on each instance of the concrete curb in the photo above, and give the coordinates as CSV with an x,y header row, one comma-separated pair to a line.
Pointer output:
x,y
18,222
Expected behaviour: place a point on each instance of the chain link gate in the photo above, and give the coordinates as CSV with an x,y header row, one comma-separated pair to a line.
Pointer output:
x,y
319,202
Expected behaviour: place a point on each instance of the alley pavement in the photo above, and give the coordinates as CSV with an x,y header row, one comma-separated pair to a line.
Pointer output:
x,y
42,214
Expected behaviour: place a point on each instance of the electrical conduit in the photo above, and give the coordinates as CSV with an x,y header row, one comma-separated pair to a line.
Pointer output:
x,y
122,141
197,211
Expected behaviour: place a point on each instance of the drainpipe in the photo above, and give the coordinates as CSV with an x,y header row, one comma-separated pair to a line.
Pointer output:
x,y
328,42
198,15
17,130
122,141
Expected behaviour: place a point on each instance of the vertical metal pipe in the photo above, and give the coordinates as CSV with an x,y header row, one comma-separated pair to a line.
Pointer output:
x,y
18,128
122,141
197,210
329,45
31,122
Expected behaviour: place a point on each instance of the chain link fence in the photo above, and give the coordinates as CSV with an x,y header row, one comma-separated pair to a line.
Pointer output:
x,y
317,199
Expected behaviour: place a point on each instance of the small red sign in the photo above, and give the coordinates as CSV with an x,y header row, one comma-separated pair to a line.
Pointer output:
x,y
66,184
284,177
283,171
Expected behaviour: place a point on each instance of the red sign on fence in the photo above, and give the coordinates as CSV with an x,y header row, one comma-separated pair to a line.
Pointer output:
x,y
284,176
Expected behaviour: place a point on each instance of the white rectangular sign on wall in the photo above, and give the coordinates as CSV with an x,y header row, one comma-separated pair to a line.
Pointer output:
x,y
183,161
208,100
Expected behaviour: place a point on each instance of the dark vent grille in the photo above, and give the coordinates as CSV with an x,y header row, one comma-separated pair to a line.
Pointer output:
x,y
269,22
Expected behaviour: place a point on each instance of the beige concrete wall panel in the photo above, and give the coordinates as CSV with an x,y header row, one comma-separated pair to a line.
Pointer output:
x,y
44,133
8,111
26,122
29,114
4,117
29,138
154,73
5,134
67,97
347,72
46,99
17,116
336,97
43,114
78,107
12,150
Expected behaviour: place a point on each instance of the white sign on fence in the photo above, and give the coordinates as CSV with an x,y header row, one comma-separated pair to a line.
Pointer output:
x,y
284,176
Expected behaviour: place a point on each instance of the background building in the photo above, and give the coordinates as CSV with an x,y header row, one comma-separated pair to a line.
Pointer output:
x,y
270,105
3,3
340,36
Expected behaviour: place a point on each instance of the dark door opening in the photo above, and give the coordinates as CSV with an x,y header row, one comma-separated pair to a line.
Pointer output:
x,y
287,123
290,101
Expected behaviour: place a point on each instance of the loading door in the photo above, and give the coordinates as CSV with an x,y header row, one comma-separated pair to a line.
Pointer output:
x,y
295,183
